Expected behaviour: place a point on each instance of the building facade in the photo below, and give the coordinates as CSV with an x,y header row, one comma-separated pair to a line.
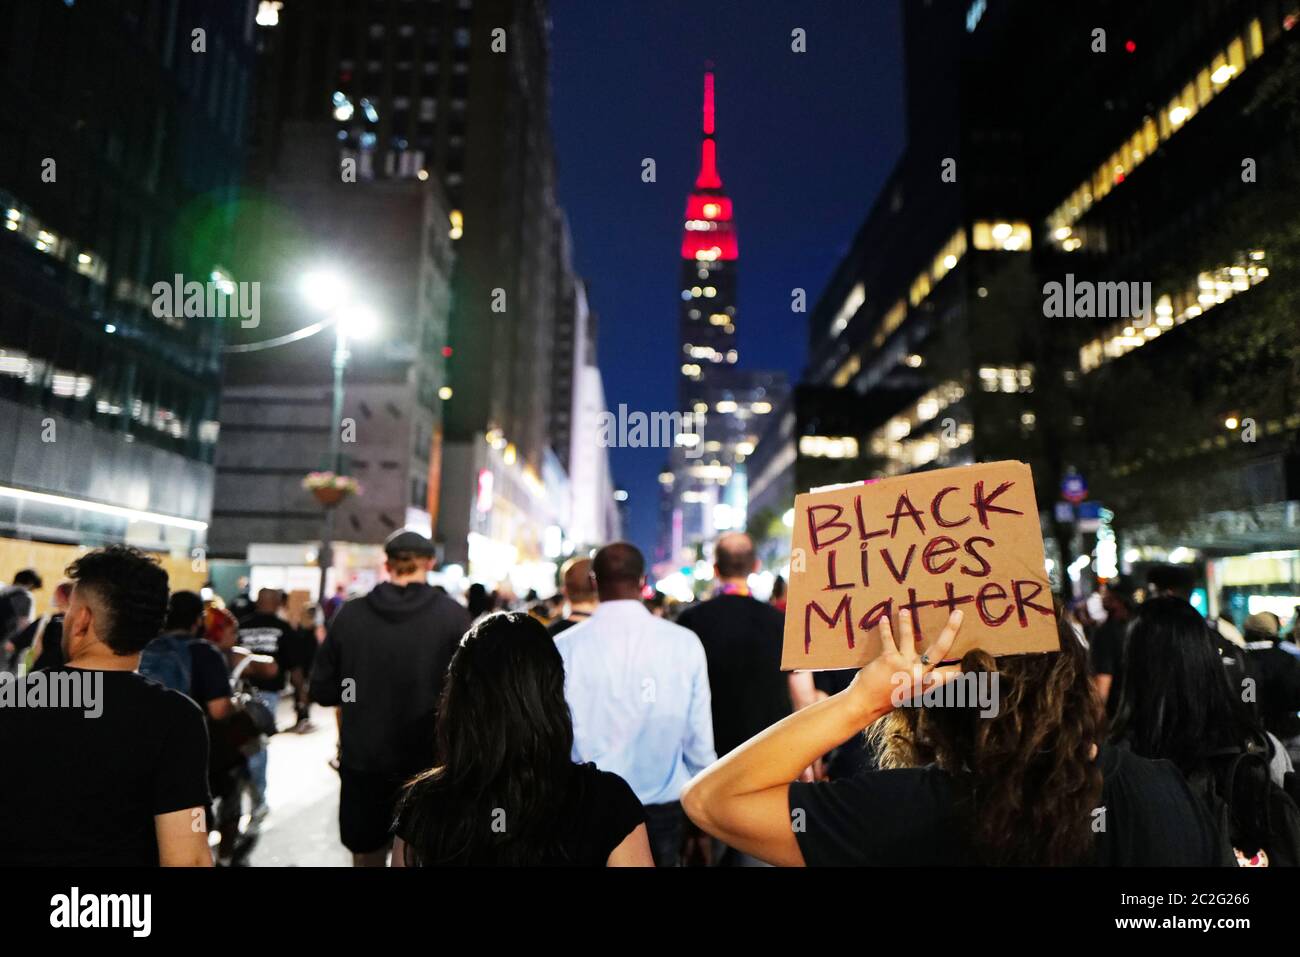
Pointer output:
x,y
124,130
1078,190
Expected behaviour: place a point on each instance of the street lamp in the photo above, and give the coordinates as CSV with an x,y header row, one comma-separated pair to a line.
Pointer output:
x,y
327,291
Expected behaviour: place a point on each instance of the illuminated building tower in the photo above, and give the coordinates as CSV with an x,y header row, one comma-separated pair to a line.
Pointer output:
x,y
706,491
709,258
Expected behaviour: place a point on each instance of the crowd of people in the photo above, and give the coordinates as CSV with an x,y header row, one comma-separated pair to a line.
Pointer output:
x,y
606,728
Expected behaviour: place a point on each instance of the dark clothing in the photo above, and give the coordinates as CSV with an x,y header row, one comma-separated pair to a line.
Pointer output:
x,y
742,640
914,816
564,624
210,680
86,791
853,756
16,607
1106,655
367,805
209,673
598,814
665,826
51,642
266,634
1277,673
393,647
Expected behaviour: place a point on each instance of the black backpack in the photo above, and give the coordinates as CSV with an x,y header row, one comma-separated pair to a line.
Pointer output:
x,y
1249,811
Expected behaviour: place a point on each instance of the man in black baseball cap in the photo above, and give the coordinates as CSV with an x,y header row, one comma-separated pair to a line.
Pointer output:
x,y
383,664
407,542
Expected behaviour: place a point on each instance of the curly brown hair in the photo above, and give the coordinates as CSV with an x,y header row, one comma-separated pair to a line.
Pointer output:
x,y
1028,776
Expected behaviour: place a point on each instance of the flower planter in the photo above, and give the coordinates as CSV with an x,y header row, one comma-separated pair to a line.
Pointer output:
x,y
328,496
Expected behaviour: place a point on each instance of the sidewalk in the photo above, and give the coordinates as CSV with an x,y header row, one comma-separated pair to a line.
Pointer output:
x,y
303,793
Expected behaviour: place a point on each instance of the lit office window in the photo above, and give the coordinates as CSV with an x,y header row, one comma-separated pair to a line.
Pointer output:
x,y
1001,235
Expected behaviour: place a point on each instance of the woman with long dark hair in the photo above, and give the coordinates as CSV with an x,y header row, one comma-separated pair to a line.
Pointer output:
x,y
506,790
1178,702
1013,774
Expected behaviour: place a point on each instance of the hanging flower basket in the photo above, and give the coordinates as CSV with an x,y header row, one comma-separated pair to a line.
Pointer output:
x,y
330,489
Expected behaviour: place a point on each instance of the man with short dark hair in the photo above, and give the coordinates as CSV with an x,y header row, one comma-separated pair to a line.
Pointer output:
x,y
114,766
383,663
579,594
638,689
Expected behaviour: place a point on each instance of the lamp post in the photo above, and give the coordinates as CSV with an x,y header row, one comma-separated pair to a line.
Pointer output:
x,y
335,464
327,291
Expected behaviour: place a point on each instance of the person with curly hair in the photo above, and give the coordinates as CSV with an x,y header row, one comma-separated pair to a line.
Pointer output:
x,y
115,766
1028,782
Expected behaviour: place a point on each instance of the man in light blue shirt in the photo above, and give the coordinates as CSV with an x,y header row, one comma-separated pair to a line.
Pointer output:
x,y
638,689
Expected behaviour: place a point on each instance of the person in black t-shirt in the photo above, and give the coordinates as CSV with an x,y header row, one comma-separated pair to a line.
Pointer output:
x,y
113,770
265,633
742,640
950,795
507,791
1106,650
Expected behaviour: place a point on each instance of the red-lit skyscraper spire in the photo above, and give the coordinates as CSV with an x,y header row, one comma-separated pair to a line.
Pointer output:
x,y
710,233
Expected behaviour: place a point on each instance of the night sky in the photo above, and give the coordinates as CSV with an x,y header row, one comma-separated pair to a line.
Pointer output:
x,y
805,142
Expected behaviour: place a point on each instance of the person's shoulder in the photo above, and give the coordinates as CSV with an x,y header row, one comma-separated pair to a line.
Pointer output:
x,y
168,701
675,633
443,604
922,793
1124,770
691,613
567,639
203,650
605,787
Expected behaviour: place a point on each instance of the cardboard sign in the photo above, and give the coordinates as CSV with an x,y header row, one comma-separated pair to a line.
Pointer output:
x,y
963,538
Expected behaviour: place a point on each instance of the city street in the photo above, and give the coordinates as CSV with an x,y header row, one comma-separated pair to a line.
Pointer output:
x,y
303,793
850,433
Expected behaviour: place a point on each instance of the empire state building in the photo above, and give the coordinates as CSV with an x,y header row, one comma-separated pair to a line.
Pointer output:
x,y
704,492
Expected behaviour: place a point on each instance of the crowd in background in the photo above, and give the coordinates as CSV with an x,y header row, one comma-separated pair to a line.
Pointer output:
x,y
610,726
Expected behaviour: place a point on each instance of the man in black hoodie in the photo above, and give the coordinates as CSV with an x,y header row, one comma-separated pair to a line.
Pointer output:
x,y
383,663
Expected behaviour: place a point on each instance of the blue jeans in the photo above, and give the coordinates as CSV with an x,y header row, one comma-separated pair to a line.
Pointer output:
x,y
257,763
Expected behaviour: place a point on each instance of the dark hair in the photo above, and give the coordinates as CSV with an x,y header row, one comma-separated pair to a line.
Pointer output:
x,y
1176,580
1176,701
406,563
183,611
129,589
28,578
504,739
1030,777
734,555
620,563
478,601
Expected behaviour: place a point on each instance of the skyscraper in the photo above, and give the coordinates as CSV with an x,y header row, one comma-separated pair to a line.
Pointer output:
x,y
124,135
706,484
